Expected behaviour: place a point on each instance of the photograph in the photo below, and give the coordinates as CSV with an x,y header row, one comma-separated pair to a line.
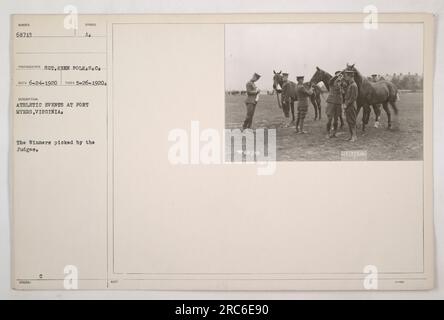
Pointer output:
x,y
331,91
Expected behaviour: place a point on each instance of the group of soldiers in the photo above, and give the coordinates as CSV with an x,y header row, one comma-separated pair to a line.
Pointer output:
x,y
343,92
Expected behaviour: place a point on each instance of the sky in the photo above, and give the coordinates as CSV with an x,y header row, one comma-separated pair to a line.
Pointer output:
x,y
299,48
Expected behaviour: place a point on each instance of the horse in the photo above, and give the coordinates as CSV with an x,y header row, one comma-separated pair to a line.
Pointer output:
x,y
373,93
315,98
325,77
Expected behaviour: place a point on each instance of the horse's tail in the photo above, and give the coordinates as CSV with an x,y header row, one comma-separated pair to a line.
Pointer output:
x,y
393,96
393,92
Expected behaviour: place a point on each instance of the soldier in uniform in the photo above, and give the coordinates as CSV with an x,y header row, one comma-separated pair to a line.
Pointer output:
x,y
374,78
251,101
303,91
351,95
334,103
286,96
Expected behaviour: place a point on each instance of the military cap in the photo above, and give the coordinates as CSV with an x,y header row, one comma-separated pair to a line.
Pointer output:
x,y
374,75
285,74
337,72
299,77
349,72
256,75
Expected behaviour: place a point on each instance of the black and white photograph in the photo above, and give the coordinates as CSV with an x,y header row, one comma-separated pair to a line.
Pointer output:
x,y
342,91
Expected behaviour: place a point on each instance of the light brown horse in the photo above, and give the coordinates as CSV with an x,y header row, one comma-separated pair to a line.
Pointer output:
x,y
372,93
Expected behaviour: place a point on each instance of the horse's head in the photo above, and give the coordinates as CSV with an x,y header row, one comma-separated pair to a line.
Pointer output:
x,y
277,79
318,76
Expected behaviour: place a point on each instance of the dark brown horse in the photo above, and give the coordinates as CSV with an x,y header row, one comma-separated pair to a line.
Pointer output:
x,y
372,93
286,106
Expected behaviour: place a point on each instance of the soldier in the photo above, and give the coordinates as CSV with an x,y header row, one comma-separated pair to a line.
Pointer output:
x,y
351,95
251,101
287,102
374,78
334,103
303,91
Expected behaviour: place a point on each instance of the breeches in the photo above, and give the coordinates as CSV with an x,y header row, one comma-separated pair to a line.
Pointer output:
x,y
302,111
250,113
350,115
333,110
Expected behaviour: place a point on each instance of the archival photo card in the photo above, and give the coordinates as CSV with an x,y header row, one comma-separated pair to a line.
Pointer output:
x,y
222,152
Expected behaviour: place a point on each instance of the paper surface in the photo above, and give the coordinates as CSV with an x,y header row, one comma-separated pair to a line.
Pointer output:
x,y
114,188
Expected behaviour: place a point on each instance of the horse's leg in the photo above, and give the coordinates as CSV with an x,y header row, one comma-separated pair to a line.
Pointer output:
x,y
377,111
341,119
318,101
315,107
389,116
358,108
365,116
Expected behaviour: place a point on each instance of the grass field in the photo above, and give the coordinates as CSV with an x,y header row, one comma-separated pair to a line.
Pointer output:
x,y
403,142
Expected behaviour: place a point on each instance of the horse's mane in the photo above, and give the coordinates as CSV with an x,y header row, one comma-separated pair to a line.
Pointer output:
x,y
324,77
359,78
328,77
327,74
